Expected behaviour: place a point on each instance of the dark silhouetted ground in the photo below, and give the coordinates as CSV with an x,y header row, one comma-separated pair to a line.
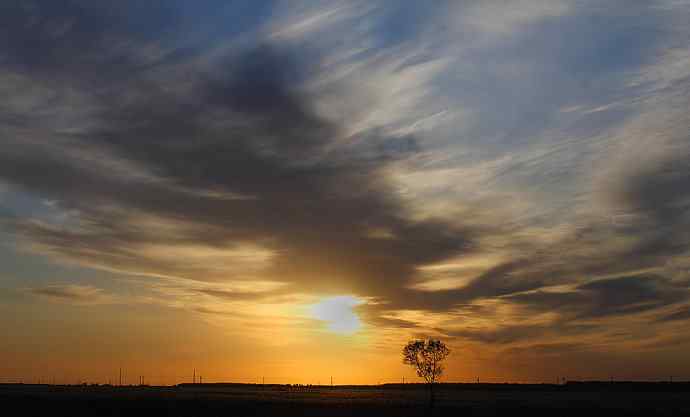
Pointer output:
x,y
584,399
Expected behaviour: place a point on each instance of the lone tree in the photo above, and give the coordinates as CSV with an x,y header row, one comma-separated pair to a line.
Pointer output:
x,y
426,356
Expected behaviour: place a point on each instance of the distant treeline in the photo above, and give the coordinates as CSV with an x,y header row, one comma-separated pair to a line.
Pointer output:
x,y
625,386
620,386
569,386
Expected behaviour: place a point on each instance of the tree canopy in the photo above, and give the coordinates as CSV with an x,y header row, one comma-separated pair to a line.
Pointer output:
x,y
426,356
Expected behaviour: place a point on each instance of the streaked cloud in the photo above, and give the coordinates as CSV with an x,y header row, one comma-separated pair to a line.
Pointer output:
x,y
500,175
75,294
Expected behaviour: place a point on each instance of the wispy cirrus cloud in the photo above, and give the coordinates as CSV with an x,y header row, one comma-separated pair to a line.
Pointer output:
x,y
498,174
75,294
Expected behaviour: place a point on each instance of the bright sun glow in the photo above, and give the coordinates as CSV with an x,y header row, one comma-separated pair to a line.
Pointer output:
x,y
337,312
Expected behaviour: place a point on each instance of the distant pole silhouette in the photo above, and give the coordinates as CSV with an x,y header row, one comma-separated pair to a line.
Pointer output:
x,y
120,384
194,377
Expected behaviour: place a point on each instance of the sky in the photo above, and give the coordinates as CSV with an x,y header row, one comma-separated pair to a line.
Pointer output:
x,y
292,190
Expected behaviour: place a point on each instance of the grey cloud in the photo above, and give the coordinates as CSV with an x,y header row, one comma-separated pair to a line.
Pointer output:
x,y
607,297
239,127
659,198
227,145
678,315
661,195
542,349
520,332
80,294
78,41
273,296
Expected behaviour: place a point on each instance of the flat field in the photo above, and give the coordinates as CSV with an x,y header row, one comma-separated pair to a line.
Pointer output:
x,y
388,400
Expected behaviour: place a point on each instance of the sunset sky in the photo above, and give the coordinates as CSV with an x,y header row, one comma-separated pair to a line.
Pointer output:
x,y
294,189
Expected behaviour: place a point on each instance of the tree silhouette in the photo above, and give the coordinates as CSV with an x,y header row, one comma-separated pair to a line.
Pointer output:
x,y
426,356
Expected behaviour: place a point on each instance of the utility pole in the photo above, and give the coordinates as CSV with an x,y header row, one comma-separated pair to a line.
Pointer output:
x,y
331,381
194,377
120,384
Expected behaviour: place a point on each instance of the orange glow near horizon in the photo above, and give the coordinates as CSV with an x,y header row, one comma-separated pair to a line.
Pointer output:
x,y
263,191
